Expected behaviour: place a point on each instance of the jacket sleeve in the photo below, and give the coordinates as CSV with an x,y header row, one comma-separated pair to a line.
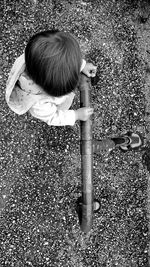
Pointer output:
x,y
83,64
49,113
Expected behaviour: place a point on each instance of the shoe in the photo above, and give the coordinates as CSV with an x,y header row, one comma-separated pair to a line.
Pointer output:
x,y
128,141
96,206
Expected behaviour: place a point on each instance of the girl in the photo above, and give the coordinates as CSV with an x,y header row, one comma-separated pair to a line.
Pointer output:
x,y
43,80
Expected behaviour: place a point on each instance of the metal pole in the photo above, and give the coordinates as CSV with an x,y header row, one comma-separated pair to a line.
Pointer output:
x,y
86,207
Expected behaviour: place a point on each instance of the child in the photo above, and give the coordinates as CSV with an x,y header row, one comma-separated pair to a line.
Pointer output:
x,y
43,80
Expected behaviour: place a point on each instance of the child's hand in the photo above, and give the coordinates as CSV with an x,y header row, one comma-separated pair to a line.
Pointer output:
x,y
83,114
89,70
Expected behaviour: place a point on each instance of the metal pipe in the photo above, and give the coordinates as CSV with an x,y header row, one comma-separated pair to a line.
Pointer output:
x,y
86,207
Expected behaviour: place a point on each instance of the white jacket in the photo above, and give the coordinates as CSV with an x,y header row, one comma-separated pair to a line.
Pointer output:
x,y
23,95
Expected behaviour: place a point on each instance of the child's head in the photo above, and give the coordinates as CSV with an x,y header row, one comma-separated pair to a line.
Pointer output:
x,y
53,61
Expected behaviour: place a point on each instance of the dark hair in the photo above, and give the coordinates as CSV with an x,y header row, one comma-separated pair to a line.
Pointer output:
x,y
53,61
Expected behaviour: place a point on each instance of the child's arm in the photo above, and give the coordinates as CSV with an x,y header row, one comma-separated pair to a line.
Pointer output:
x,y
48,112
83,64
84,113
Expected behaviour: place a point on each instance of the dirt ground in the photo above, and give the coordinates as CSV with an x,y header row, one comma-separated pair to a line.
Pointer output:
x,y
40,178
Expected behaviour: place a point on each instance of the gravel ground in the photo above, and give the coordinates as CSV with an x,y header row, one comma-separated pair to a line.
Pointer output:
x,y
40,177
